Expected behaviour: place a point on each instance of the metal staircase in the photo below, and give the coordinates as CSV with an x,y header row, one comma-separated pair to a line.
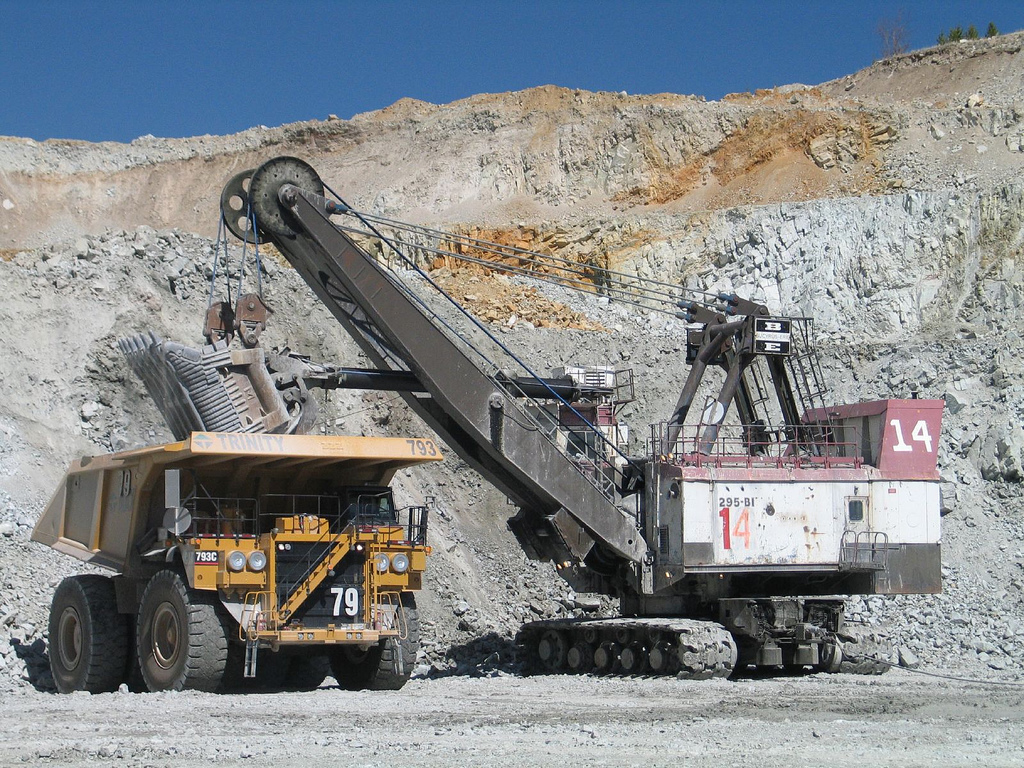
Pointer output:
x,y
335,550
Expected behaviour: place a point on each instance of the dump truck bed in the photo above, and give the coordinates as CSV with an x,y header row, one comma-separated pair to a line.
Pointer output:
x,y
95,514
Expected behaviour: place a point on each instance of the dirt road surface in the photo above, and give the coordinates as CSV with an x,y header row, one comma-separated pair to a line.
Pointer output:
x,y
843,720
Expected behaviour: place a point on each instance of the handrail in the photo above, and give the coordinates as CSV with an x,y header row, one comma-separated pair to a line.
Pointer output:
x,y
865,549
807,446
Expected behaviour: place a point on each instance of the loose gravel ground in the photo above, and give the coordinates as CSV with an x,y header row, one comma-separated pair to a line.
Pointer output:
x,y
840,720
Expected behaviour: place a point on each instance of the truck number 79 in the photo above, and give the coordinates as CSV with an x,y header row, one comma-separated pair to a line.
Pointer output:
x,y
347,599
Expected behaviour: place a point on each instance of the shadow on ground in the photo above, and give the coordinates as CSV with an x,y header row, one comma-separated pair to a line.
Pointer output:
x,y
484,656
37,663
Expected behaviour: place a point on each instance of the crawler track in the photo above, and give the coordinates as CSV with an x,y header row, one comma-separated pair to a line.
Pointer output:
x,y
685,648
866,651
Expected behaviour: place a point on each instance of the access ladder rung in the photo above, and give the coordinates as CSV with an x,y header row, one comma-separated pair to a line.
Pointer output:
x,y
251,650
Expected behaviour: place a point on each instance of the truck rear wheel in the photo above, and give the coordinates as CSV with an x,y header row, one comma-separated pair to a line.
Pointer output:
x,y
181,636
88,637
385,666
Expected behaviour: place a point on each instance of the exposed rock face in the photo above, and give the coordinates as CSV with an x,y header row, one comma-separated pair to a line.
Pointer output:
x,y
897,223
550,153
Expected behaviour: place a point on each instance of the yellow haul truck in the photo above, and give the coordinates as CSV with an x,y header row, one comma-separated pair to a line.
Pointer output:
x,y
238,552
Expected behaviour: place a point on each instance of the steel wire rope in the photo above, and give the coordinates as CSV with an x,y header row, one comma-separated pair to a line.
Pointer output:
x,y
432,313
412,295
886,662
613,289
388,401
514,249
474,321
540,276
633,286
522,425
222,242
241,268
533,275
568,283
250,216
256,251
390,276
542,260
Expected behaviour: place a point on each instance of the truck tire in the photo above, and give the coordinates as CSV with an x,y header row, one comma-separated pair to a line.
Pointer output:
x,y
88,637
385,666
133,672
181,636
271,671
233,678
830,657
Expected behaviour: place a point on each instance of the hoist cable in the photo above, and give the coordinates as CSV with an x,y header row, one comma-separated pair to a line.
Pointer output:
x,y
628,284
628,290
511,249
221,240
565,282
256,251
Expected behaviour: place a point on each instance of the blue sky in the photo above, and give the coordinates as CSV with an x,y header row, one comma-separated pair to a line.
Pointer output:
x,y
112,71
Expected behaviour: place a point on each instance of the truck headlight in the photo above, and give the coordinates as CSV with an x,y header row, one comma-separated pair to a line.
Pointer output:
x,y
400,562
236,561
257,560
382,562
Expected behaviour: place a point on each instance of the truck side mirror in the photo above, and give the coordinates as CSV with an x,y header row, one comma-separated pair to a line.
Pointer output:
x,y
176,519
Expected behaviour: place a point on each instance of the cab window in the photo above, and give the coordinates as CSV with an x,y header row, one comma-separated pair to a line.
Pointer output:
x,y
855,508
372,505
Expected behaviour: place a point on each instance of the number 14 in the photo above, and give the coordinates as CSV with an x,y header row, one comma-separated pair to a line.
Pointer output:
x,y
741,530
919,435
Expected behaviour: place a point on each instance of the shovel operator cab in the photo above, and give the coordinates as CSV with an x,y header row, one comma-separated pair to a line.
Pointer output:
x,y
236,553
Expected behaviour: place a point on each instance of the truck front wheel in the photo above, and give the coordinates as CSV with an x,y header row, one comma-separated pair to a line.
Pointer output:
x,y
181,636
88,637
